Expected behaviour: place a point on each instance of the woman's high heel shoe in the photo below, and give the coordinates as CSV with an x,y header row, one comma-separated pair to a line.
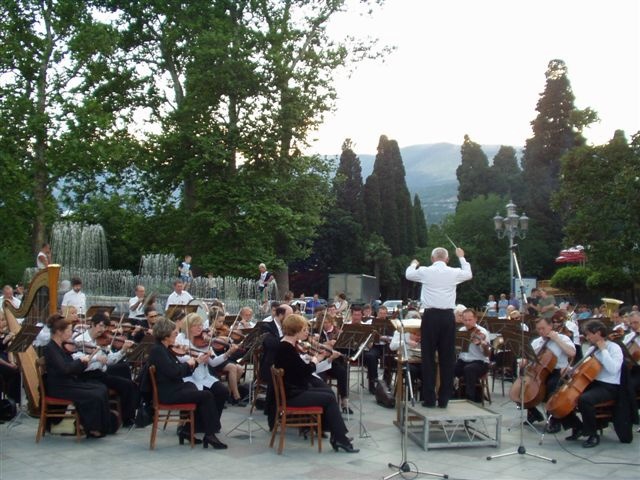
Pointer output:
x,y
185,434
347,410
345,445
213,441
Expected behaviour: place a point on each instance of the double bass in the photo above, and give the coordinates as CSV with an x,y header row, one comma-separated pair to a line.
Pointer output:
x,y
565,399
535,378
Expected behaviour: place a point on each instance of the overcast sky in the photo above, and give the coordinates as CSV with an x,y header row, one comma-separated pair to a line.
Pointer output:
x,y
477,67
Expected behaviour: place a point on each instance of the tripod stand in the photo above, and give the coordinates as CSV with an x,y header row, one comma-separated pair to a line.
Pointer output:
x,y
406,466
521,450
363,433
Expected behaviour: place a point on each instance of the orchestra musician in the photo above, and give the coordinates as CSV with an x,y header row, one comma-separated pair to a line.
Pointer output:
x,y
272,333
192,333
145,326
64,380
412,341
9,370
438,328
561,324
75,297
563,348
338,369
370,357
136,304
298,381
632,342
606,385
170,375
474,363
179,296
109,367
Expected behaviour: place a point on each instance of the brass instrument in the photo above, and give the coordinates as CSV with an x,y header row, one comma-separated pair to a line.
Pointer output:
x,y
611,305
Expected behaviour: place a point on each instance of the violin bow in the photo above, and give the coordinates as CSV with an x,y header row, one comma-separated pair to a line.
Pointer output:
x,y
113,336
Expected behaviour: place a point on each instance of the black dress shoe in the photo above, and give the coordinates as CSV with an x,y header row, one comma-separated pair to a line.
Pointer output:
x,y
553,427
429,404
592,441
534,415
372,387
576,433
213,441
345,445
347,410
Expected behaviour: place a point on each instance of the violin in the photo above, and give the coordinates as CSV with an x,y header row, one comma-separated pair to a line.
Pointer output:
x,y
182,350
617,334
110,340
72,347
306,347
319,346
205,341
475,335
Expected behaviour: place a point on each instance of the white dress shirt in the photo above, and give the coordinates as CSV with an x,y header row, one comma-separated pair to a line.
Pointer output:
x,y
138,312
439,282
611,360
563,359
475,352
75,299
200,377
182,299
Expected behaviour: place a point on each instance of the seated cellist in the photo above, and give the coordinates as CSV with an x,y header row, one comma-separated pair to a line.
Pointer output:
x,y
605,387
563,349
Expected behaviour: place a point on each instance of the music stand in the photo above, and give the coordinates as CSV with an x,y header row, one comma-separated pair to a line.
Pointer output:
x,y
139,353
252,341
93,309
525,352
19,344
355,338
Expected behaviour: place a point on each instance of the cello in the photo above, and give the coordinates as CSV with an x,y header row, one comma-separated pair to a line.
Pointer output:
x,y
565,399
535,378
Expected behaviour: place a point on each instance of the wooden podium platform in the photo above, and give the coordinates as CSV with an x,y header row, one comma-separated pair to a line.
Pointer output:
x,y
461,424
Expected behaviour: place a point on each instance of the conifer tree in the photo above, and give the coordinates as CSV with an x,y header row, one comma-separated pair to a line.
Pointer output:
x,y
506,177
473,172
421,222
556,130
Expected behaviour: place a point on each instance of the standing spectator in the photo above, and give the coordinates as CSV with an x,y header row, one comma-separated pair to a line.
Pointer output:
x,y
546,304
212,285
266,277
513,301
184,271
532,302
44,256
492,307
312,304
503,303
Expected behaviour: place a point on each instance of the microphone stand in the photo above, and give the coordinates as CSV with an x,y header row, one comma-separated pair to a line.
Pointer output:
x,y
406,466
521,450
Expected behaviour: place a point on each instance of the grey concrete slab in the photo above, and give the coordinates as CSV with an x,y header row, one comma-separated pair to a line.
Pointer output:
x,y
127,454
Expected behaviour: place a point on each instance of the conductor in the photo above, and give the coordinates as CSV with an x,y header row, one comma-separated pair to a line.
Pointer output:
x,y
438,327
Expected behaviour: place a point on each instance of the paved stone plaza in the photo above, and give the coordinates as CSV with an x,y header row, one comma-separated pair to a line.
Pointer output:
x,y
127,455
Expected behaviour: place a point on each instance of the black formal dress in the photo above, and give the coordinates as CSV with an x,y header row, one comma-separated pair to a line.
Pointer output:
x,y
172,389
10,376
298,381
89,397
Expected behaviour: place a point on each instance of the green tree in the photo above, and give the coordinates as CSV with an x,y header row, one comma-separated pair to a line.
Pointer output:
x,y
556,130
65,100
506,176
595,182
473,171
420,221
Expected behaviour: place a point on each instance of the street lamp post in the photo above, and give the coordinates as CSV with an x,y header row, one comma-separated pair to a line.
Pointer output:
x,y
512,226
